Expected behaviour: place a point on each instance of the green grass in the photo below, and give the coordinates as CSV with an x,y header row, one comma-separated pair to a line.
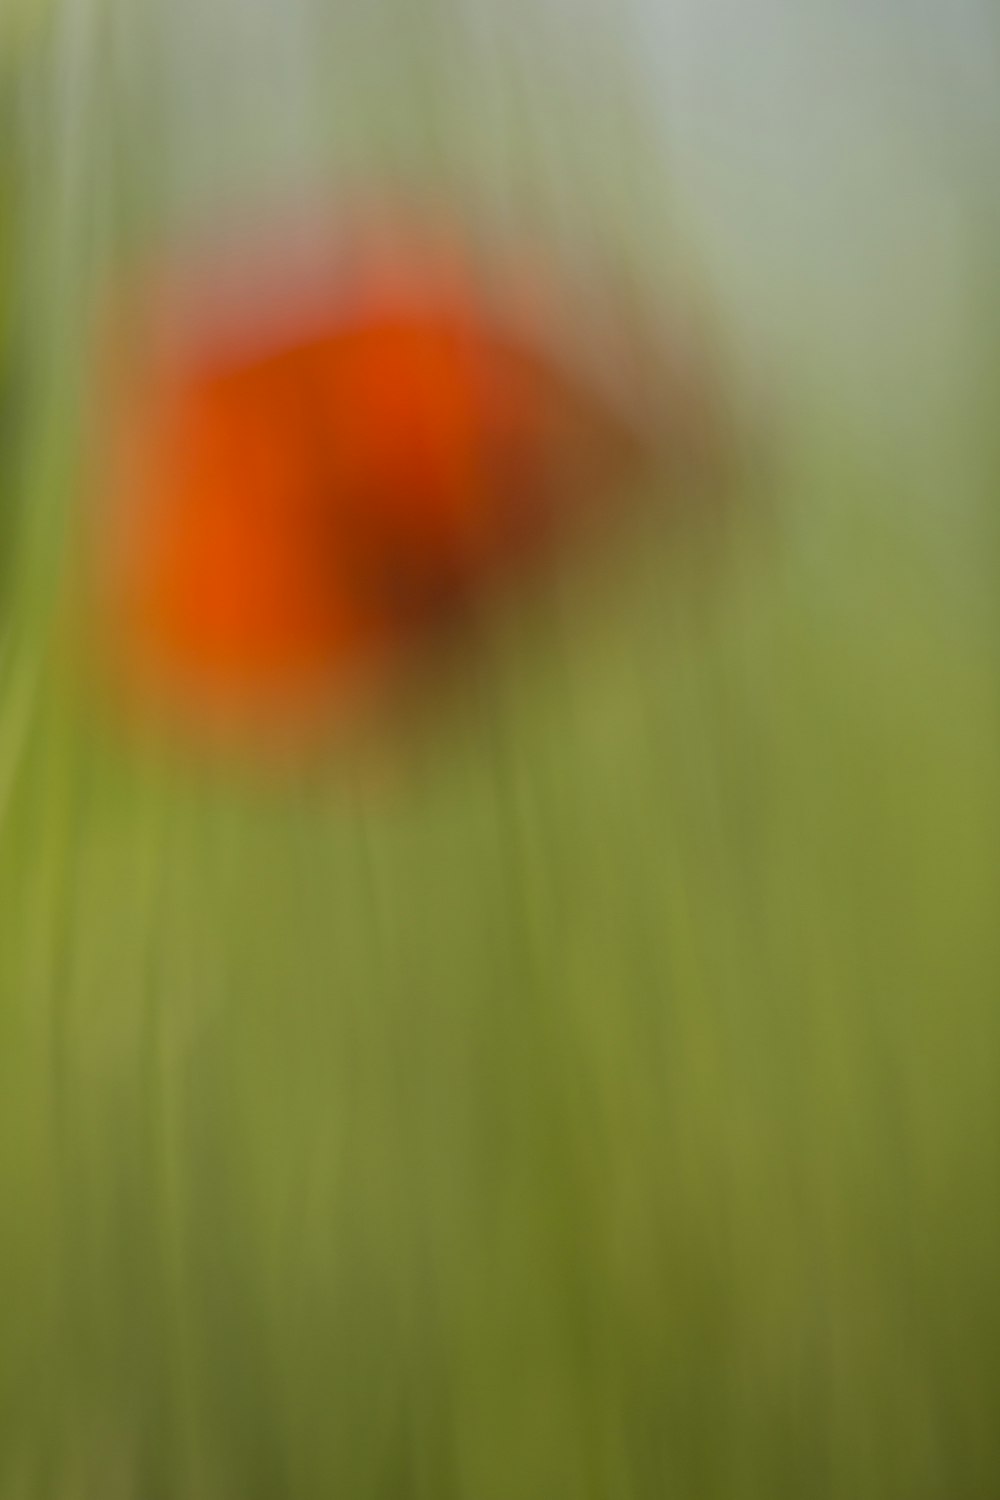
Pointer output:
x,y
605,1106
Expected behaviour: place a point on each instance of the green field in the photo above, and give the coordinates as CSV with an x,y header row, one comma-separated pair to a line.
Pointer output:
x,y
604,1104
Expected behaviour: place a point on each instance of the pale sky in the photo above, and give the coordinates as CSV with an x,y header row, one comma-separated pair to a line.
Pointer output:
x,y
830,151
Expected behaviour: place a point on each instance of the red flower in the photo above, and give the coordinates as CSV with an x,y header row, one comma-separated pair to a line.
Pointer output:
x,y
310,488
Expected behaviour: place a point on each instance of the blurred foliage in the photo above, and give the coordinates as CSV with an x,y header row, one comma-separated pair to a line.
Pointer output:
x,y
8,173
606,1107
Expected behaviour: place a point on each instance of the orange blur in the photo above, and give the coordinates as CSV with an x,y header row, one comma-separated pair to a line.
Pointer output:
x,y
293,514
